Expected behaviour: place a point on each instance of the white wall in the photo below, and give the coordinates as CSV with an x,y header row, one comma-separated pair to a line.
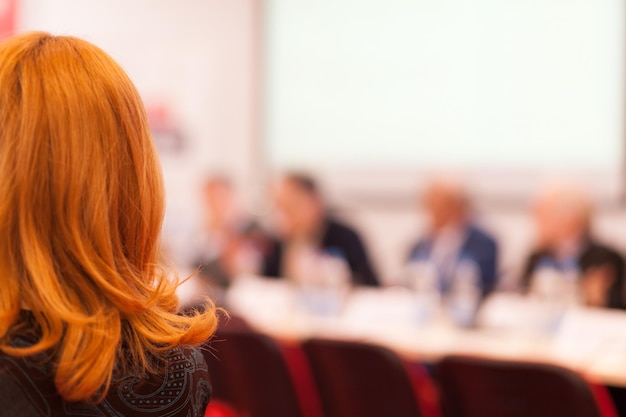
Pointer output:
x,y
517,88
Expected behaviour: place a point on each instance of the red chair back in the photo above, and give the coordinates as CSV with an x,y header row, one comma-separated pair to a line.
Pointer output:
x,y
252,373
360,380
219,379
474,387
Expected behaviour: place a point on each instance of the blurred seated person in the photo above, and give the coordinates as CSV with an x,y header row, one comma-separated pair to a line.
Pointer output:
x,y
305,227
562,216
229,242
453,239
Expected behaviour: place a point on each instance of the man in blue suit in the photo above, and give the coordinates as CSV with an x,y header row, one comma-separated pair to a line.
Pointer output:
x,y
453,240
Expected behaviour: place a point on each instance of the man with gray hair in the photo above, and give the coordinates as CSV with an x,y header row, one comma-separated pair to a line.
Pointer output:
x,y
563,216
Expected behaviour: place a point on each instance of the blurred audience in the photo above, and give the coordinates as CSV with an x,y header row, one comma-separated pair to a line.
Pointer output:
x,y
457,253
305,229
453,239
566,245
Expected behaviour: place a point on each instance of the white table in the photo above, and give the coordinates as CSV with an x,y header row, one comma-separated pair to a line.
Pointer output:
x,y
590,341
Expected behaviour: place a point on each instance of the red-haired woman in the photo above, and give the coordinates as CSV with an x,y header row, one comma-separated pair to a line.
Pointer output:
x,y
88,322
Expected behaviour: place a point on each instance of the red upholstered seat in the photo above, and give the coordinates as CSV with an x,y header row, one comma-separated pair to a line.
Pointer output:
x,y
361,380
474,387
248,371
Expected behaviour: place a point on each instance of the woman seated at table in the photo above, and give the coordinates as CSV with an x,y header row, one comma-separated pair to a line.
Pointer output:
x,y
306,228
567,250
88,320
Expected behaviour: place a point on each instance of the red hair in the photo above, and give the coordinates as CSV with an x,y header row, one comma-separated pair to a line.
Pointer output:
x,y
81,206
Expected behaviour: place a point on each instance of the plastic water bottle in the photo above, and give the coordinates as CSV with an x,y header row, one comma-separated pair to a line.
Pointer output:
x,y
423,280
549,287
308,277
570,273
464,296
327,284
335,281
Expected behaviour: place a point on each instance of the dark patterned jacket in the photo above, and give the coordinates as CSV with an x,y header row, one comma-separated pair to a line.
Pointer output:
x,y
181,389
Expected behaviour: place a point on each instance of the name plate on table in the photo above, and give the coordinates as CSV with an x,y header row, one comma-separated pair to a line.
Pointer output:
x,y
516,313
590,338
259,299
371,308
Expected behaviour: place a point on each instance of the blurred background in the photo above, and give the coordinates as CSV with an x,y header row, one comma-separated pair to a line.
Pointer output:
x,y
373,99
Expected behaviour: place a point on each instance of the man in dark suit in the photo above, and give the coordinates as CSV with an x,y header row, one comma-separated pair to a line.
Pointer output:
x,y
453,239
565,244
304,226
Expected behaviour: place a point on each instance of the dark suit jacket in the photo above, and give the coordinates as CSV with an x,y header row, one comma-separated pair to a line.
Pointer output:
x,y
337,238
592,255
478,246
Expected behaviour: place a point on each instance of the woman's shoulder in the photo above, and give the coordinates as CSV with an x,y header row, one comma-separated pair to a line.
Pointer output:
x,y
180,388
25,387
